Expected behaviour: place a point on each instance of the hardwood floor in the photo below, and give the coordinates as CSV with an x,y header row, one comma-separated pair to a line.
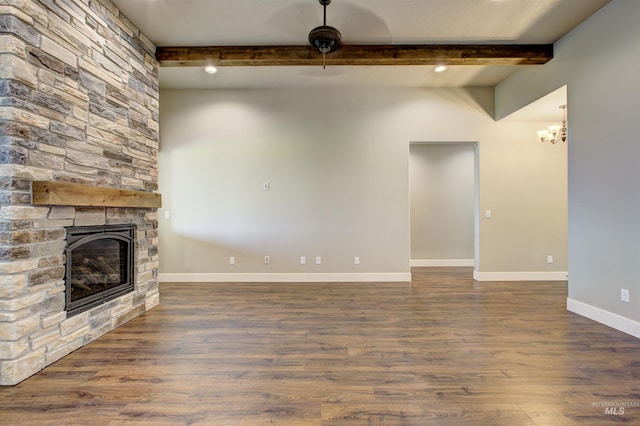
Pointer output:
x,y
444,350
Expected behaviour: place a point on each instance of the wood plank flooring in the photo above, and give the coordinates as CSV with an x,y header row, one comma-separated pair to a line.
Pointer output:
x,y
444,350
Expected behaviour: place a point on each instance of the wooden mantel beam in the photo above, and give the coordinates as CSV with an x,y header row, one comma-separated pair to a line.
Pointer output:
x,y
73,194
368,55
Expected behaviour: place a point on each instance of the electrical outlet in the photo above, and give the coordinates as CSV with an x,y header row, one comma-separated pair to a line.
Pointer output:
x,y
318,260
303,260
549,259
267,260
356,260
232,260
265,186
624,295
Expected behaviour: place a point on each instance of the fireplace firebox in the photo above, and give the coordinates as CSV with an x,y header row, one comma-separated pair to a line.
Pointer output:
x,y
99,265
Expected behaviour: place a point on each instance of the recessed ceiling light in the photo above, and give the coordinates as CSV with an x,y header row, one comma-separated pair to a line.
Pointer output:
x,y
440,68
211,69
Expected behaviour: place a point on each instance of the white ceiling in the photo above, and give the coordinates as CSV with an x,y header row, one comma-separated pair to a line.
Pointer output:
x,y
288,22
248,22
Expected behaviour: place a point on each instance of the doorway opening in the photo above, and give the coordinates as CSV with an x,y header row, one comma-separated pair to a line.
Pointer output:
x,y
444,203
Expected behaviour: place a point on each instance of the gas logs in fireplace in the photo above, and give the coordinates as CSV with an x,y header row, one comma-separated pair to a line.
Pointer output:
x,y
99,265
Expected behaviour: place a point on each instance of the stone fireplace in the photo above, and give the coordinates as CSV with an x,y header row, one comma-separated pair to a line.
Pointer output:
x,y
78,149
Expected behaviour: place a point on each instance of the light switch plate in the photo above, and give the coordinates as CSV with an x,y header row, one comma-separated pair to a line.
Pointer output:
x,y
624,295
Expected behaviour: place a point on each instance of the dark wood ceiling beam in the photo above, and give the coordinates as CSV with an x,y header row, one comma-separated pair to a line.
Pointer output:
x,y
422,54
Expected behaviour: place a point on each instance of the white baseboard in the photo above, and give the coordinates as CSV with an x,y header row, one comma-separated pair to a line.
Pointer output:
x,y
607,318
441,262
286,277
520,276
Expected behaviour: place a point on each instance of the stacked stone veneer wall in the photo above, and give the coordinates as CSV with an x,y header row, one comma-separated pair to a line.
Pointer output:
x,y
78,103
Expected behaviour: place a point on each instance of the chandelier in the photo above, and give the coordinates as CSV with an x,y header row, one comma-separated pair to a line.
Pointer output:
x,y
556,132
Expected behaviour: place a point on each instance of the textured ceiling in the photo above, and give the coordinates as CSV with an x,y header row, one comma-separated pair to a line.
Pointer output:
x,y
269,22
246,22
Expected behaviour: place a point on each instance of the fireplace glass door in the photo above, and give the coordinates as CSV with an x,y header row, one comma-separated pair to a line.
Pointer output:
x,y
99,265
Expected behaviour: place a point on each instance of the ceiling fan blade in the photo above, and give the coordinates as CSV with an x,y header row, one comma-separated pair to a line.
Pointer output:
x,y
296,20
357,24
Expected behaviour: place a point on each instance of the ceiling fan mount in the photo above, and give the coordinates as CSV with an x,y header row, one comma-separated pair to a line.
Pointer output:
x,y
324,37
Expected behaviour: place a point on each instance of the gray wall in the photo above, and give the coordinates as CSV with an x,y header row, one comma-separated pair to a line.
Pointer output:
x,y
442,200
337,164
600,63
